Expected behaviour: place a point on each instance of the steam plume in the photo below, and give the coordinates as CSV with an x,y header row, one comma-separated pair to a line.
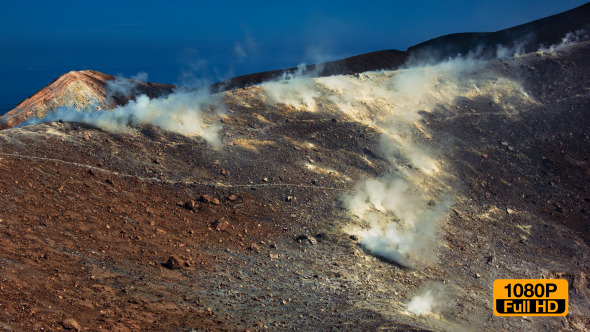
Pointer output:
x,y
400,212
123,87
432,299
181,112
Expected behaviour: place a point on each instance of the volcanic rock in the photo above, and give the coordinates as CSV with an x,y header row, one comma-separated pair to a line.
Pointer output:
x,y
173,263
71,324
308,239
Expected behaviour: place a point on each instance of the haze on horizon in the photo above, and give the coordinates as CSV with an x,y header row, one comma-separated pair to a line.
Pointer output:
x,y
194,43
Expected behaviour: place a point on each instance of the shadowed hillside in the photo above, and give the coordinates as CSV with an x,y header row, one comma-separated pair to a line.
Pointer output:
x,y
524,38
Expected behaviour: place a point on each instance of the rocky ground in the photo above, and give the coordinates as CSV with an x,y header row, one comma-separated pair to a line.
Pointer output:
x,y
150,230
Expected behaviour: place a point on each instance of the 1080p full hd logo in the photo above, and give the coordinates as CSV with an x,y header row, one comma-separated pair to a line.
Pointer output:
x,y
530,297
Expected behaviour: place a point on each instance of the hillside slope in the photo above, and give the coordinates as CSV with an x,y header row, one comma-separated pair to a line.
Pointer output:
x,y
80,90
279,224
524,38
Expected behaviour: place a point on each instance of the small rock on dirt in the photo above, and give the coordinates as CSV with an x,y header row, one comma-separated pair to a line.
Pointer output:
x,y
71,324
303,238
254,247
173,263
289,198
219,225
189,205
232,197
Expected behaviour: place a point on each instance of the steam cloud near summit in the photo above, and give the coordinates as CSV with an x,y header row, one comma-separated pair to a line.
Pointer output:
x,y
398,214
181,112
121,86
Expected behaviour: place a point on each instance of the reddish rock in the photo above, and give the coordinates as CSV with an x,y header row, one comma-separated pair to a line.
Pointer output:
x,y
173,263
71,324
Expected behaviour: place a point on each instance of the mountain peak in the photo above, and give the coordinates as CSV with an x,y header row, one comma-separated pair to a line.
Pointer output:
x,y
79,89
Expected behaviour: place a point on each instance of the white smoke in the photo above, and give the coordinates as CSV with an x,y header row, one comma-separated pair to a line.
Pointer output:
x,y
398,215
124,87
181,112
403,226
295,89
570,38
432,299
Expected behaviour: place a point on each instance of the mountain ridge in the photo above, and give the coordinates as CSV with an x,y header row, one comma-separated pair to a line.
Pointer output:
x,y
525,38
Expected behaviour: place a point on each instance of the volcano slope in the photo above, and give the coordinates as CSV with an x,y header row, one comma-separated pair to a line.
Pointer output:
x,y
378,201
81,90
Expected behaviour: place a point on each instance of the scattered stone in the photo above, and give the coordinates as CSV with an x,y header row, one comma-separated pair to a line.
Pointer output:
x,y
157,161
477,275
504,143
484,156
173,263
219,225
205,199
254,247
354,237
189,205
306,239
491,259
509,211
215,201
265,179
232,197
109,181
71,324
290,198
91,172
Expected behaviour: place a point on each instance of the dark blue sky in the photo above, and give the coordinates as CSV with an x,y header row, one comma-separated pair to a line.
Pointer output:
x,y
188,42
